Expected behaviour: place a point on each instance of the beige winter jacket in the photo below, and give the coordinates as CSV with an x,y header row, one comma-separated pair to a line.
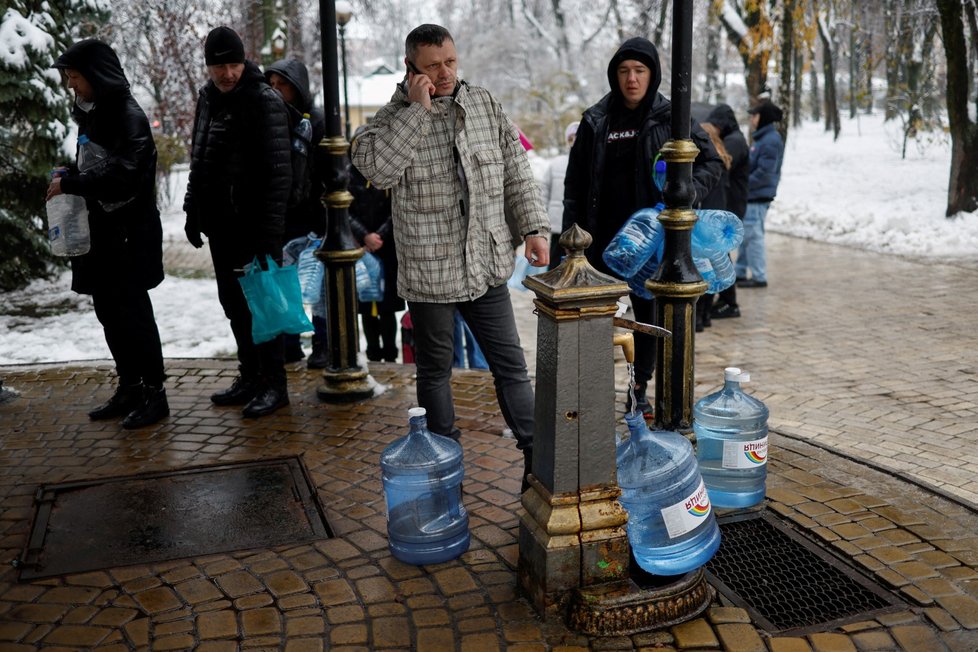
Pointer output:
x,y
447,251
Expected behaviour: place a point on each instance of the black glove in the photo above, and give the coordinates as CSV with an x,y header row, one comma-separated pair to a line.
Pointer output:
x,y
193,234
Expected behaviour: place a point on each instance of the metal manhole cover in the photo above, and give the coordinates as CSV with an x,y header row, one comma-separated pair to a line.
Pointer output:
x,y
154,517
785,581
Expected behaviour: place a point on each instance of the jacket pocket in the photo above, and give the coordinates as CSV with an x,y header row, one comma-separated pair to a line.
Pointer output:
x,y
429,189
490,170
431,271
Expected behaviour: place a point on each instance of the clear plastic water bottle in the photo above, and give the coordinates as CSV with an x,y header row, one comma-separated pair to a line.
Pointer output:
x,y
716,231
731,443
90,156
422,473
705,268
68,231
671,526
724,273
311,272
302,135
636,240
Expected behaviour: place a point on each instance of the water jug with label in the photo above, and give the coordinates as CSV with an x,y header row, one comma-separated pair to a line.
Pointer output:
x,y
731,443
671,527
422,474
68,230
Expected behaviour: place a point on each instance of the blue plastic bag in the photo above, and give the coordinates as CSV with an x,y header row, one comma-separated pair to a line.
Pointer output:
x,y
521,269
370,278
275,301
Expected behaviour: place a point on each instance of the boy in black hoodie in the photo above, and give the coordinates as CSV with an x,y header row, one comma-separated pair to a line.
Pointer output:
x,y
609,173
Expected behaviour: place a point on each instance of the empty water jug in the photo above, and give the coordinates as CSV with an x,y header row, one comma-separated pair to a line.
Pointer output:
x,y
731,443
422,473
671,527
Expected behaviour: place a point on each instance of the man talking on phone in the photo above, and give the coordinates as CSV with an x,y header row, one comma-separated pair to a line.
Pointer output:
x,y
456,166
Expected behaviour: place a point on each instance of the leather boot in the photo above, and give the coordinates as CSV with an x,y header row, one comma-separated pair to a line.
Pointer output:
x,y
267,401
319,358
124,401
154,408
242,390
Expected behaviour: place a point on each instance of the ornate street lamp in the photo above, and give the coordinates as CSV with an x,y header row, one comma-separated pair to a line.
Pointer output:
x,y
343,15
345,380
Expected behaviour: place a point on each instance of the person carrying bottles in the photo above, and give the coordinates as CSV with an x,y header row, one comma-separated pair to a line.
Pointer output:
x,y
609,172
371,223
766,155
125,259
237,193
305,216
735,189
455,162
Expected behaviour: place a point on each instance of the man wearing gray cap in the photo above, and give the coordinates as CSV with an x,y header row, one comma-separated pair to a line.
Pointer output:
x,y
239,185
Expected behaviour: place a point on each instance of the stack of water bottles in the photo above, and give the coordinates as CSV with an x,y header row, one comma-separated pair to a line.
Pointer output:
x,y
422,473
731,443
636,250
671,527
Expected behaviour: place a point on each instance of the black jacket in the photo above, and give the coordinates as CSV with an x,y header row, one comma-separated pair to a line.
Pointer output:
x,y
370,212
240,164
583,203
733,139
127,243
307,214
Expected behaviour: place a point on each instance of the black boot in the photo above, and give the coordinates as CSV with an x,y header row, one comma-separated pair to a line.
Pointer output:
x,y
267,401
242,390
527,469
154,408
293,349
124,401
319,358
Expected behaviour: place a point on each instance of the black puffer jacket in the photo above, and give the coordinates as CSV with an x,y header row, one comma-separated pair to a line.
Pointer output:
x,y
733,139
308,214
241,165
582,184
127,243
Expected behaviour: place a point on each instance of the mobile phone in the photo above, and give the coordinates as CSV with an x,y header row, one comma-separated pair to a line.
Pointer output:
x,y
412,68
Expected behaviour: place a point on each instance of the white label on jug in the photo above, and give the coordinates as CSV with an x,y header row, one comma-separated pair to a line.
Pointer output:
x,y
687,515
745,454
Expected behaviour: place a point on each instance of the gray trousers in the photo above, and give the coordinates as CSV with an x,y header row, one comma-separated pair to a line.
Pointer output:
x,y
492,322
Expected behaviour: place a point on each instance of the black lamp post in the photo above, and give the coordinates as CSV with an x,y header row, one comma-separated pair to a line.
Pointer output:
x,y
676,284
343,15
344,379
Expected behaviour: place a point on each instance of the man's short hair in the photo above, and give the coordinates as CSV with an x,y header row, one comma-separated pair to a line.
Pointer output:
x,y
426,34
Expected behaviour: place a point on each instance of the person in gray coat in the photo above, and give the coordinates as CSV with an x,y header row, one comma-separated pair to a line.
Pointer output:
x,y
456,166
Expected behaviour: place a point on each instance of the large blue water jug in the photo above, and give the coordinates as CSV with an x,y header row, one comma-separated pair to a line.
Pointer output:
x,y
731,443
636,241
671,526
422,473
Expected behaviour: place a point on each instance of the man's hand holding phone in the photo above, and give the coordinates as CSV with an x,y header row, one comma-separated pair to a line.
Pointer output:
x,y
420,86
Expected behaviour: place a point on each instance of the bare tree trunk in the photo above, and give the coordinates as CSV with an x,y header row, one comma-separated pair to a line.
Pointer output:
x,y
799,65
853,63
962,195
662,24
755,46
711,85
891,57
832,121
786,89
816,96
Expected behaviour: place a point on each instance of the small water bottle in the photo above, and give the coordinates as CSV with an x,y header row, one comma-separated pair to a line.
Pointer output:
x,y
68,231
302,135
671,526
636,241
731,443
422,473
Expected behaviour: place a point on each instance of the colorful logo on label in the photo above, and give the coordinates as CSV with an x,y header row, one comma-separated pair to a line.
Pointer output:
x,y
756,456
700,509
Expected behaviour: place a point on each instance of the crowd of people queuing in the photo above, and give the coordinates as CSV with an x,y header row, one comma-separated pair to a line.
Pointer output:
x,y
441,181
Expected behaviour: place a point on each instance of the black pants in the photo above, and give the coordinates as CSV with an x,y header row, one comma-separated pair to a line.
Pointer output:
x,y
126,315
380,331
263,361
644,310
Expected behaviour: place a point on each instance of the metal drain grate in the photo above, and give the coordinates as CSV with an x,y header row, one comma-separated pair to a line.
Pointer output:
x,y
785,581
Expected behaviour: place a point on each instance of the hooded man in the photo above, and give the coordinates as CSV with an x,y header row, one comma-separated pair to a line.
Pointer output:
x,y
305,218
126,256
237,193
766,154
609,173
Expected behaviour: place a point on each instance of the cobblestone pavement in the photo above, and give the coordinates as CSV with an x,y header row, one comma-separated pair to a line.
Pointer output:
x,y
866,362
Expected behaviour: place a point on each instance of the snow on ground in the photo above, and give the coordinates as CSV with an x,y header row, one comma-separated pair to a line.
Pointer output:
x,y
856,191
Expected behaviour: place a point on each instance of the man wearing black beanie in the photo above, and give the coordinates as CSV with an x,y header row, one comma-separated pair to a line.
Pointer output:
x,y
239,185
609,172
766,154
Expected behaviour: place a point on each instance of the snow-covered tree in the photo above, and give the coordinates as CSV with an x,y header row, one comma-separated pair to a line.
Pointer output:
x,y
34,104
